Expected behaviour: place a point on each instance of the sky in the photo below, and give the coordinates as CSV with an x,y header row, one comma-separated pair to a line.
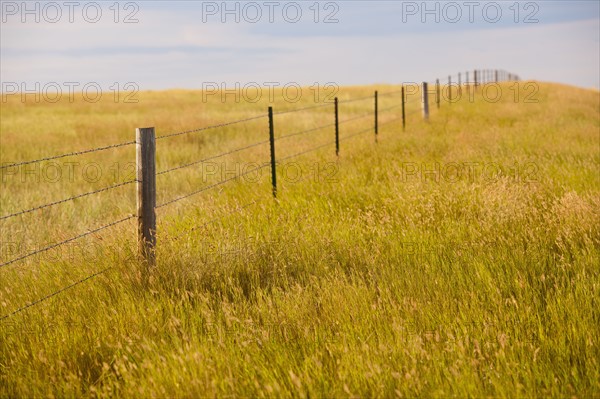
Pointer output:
x,y
193,44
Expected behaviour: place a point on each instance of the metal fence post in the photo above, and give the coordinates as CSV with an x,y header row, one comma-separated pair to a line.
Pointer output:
x,y
272,142
337,128
403,110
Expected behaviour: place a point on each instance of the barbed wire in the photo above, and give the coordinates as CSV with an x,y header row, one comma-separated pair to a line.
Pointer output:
x,y
65,241
210,187
389,93
305,131
302,109
307,151
67,155
356,99
356,134
213,157
239,209
22,308
389,108
210,127
390,121
66,200
356,117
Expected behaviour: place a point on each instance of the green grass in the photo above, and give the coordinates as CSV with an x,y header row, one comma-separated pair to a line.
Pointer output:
x,y
370,277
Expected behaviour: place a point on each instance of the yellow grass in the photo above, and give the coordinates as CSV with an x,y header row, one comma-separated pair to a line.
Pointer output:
x,y
458,258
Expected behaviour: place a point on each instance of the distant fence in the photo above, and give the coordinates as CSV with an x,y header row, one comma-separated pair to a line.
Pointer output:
x,y
146,140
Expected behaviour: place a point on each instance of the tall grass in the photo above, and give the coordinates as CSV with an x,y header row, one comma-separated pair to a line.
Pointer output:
x,y
458,258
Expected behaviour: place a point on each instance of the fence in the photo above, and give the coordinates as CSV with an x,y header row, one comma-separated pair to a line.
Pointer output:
x,y
146,141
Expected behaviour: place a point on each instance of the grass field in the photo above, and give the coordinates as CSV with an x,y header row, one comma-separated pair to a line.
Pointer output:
x,y
459,258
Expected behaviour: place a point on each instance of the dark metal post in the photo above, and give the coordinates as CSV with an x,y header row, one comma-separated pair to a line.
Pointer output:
x,y
403,111
337,128
272,141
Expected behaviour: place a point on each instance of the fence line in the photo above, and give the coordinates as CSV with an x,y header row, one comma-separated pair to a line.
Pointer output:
x,y
83,280
479,77
68,155
201,129
210,186
49,247
305,131
212,157
37,208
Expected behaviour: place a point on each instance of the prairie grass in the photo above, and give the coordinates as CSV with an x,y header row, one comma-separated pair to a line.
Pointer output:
x,y
458,258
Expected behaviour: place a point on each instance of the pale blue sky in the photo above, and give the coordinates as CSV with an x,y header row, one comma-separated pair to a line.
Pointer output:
x,y
185,44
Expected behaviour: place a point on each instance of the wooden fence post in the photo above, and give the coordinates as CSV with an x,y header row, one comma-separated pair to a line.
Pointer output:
x,y
425,101
145,144
272,143
437,92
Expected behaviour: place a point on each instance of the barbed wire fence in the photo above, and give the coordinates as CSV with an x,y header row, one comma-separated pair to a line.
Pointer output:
x,y
145,180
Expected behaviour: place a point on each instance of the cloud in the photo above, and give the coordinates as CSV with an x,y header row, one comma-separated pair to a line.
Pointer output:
x,y
172,47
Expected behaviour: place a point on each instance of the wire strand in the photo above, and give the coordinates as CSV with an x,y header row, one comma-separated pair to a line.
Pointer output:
x,y
211,158
210,127
68,155
307,151
302,109
65,241
6,316
238,210
210,187
356,99
355,118
355,134
66,200
305,131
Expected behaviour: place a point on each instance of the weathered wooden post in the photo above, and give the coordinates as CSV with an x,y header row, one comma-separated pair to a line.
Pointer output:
x,y
425,101
145,141
437,92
